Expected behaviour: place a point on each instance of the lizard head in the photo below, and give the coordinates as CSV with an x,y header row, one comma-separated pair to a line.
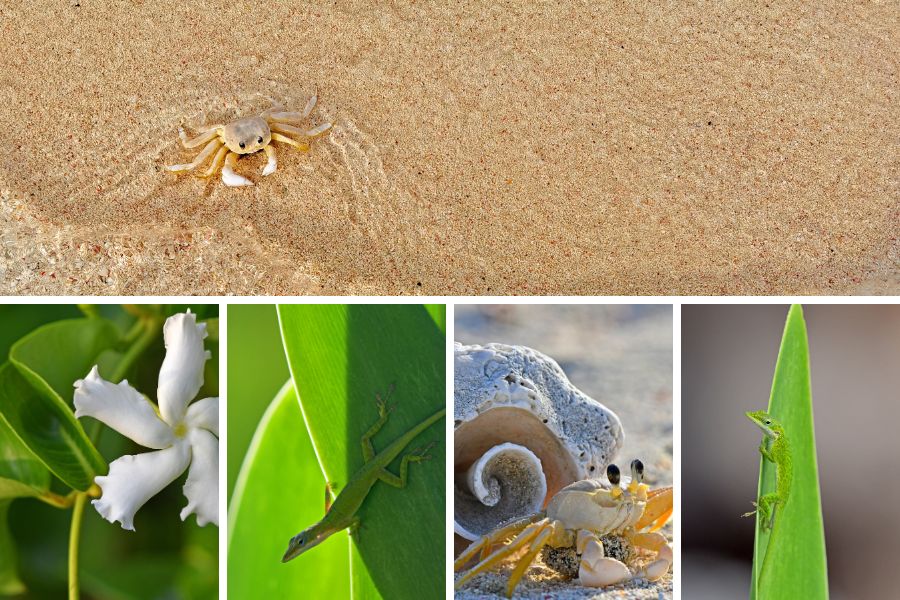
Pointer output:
x,y
303,541
764,422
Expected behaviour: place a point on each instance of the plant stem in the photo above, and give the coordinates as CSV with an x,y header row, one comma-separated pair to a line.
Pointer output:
x,y
151,330
56,500
74,535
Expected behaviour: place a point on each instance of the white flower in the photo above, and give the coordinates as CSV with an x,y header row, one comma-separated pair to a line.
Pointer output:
x,y
182,435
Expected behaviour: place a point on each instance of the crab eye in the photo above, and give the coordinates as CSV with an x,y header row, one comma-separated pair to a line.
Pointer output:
x,y
612,473
242,145
637,465
259,140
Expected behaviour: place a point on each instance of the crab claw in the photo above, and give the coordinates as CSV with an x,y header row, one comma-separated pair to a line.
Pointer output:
x,y
597,569
229,177
655,542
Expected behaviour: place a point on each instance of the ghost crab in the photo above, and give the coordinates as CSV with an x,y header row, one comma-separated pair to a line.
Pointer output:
x,y
246,136
577,517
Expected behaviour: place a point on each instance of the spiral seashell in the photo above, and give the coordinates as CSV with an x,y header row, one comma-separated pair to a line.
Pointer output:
x,y
522,432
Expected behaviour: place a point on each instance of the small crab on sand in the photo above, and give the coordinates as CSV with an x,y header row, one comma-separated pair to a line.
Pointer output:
x,y
246,136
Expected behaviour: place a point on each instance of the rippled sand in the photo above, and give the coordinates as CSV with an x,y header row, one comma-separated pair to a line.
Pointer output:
x,y
584,148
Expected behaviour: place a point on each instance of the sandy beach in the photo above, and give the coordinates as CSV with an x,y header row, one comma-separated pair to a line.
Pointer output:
x,y
483,148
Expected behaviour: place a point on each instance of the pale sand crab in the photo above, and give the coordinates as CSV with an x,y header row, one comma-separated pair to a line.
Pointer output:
x,y
577,517
246,136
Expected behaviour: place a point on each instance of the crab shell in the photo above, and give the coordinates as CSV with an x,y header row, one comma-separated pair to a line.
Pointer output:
x,y
588,504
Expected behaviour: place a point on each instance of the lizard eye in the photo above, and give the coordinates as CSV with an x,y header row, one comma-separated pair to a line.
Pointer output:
x,y
259,140
768,422
242,145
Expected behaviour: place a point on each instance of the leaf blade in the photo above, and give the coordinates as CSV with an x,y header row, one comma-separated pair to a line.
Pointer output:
x,y
48,430
340,357
279,468
794,552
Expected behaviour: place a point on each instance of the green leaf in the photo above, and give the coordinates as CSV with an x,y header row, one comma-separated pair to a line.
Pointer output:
x,y
21,473
340,357
44,424
280,491
18,319
793,553
256,368
438,312
10,584
54,356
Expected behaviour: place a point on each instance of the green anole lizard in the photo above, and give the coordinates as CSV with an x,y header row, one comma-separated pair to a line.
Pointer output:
x,y
342,514
774,448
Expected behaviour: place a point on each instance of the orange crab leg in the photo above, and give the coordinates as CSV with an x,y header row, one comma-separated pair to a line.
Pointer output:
x,y
658,509
523,538
539,542
485,542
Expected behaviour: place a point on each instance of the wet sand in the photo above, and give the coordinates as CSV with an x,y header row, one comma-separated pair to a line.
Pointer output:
x,y
478,149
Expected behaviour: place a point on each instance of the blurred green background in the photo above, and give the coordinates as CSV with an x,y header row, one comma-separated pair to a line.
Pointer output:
x,y
258,368
163,558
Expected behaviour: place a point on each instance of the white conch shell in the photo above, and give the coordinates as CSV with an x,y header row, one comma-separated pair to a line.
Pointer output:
x,y
515,395
509,479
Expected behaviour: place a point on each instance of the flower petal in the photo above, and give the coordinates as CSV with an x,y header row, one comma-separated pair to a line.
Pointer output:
x,y
204,414
181,375
123,408
133,480
202,485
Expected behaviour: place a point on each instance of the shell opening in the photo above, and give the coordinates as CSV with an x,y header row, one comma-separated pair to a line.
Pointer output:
x,y
504,483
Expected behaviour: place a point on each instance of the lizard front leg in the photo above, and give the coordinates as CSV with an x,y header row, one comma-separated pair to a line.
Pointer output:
x,y
418,455
384,410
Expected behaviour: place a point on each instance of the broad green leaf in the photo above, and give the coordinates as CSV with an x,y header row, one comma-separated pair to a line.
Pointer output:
x,y
44,424
21,473
256,370
54,356
280,491
793,553
18,319
10,584
340,357
438,312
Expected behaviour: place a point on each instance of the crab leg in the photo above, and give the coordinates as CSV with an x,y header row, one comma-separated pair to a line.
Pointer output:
x,y
229,177
200,139
485,542
291,117
522,539
207,152
291,130
216,163
272,164
302,147
658,509
539,542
